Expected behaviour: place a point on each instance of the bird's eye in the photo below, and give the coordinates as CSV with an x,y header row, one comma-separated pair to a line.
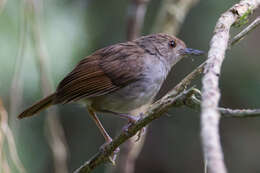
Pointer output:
x,y
172,43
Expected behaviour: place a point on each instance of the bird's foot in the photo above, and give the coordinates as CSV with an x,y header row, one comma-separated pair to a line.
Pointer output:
x,y
132,120
112,158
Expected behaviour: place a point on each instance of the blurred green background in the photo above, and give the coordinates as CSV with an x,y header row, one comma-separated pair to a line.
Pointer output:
x,y
71,30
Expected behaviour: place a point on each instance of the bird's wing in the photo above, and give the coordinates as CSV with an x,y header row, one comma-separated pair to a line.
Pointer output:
x,y
106,70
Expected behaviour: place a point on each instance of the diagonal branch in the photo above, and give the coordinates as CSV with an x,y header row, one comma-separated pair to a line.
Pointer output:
x,y
155,111
210,115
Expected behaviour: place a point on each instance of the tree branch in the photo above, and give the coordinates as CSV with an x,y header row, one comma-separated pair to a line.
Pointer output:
x,y
210,92
194,103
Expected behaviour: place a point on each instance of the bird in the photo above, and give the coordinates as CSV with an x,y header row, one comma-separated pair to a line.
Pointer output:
x,y
118,78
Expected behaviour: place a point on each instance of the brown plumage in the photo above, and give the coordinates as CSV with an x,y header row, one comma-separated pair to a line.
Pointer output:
x,y
95,75
39,106
100,73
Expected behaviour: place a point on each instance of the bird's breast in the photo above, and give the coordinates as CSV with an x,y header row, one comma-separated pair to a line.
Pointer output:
x,y
135,94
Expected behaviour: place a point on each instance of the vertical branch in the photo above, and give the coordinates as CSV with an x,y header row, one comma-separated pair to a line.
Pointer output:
x,y
210,91
6,133
56,135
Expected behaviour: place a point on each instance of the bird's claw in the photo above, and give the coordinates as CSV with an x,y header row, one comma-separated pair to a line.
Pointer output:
x,y
132,121
112,158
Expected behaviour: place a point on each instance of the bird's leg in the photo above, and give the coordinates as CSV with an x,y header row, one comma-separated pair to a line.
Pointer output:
x,y
99,125
131,120
108,139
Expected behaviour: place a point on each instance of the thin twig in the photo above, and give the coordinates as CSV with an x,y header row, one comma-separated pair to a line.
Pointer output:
x,y
194,103
246,31
56,136
239,113
210,92
7,133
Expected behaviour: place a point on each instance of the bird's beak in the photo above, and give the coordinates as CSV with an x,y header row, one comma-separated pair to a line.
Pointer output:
x,y
190,51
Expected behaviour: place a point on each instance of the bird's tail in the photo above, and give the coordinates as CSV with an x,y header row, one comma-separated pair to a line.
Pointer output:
x,y
37,107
